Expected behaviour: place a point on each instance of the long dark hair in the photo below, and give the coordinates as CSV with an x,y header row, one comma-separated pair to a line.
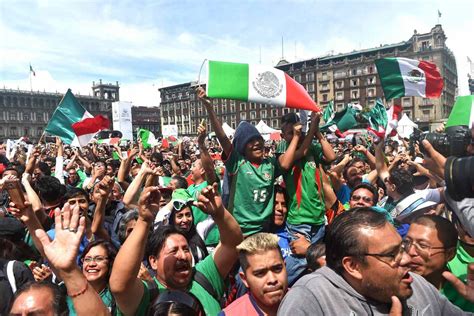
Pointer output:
x,y
195,241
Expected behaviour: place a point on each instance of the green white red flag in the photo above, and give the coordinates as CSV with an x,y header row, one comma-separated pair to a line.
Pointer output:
x,y
256,83
87,128
408,77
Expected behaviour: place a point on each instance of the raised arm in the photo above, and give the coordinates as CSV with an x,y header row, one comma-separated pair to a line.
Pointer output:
x,y
104,188
130,197
328,152
225,255
216,125
206,160
124,284
287,159
382,169
33,198
370,158
61,254
59,172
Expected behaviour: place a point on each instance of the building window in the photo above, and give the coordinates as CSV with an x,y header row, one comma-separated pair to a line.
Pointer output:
x,y
232,102
340,84
354,72
275,124
325,97
370,69
339,106
233,124
263,113
354,94
232,107
274,112
371,92
406,102
253,115
242,106
298,78
324,76
426,114
310,76
354,82
243,116
13,131
339,74
371,80
340,95
313,96
310,87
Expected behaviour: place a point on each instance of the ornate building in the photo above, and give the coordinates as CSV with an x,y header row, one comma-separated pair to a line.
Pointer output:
x,y
26,113
345,78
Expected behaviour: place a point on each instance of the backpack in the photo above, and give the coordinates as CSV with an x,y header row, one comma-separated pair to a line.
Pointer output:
x,y
6,273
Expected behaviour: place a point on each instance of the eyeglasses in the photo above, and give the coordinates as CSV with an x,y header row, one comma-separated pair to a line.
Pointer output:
x,y
394,258
97,259
366,199
421,249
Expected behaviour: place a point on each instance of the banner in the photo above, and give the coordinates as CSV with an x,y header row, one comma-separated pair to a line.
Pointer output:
x,y
122,118
170,130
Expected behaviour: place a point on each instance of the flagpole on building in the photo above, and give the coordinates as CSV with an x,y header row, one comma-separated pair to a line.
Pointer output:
x,y
31,84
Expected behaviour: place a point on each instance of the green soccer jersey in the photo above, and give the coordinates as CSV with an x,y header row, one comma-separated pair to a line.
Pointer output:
x,y
212,237
251,191
458,267
211,306
304,187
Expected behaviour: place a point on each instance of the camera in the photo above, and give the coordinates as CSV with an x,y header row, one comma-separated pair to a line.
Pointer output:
x,y
458,174
452,143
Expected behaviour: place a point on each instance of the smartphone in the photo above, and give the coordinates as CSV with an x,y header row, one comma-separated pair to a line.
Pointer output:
x,y
15,192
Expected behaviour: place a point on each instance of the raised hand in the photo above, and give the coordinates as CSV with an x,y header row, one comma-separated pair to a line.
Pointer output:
x,y
297,129
466,290
105,186
23,214
201,133
210,202
149,204
69,228
202,96
40,273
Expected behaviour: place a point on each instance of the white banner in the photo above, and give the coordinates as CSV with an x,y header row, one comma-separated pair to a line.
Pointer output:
x,y
122,118
170,130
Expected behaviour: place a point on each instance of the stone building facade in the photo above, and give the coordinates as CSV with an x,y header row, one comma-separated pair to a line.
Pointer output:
x,y
26,113
345,78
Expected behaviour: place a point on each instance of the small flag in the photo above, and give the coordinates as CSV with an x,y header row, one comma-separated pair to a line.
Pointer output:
x,y
329,112
439,14
147,137
32,71
256,83
462,112
408,77
87,128
68,112
342,121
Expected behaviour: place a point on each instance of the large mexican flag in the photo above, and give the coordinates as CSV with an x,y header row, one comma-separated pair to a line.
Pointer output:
x,y
462,112
68,112
256,83
408,77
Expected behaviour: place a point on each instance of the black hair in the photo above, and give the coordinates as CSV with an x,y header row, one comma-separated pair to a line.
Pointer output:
x,y
122,228
75,192
289,118
158,238
174,302
12,168
44,168
314,252
49,188
108,246
156,157
181,181
343,237
353,161
447,232
59,304
369,187
403,180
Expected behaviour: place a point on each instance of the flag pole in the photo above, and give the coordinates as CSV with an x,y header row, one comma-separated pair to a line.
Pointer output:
x,y
31,83
41,138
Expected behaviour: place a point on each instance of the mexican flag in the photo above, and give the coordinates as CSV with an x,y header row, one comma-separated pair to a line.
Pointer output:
x,y
387,122
329,112
87,128
408,77
68,112
341,121
147,138
256,83
462,112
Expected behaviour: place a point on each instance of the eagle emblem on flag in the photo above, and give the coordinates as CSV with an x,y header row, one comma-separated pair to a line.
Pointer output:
x,y
267,85
415,75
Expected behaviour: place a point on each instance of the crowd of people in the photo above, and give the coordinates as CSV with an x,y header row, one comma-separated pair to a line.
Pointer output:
x,y
238,226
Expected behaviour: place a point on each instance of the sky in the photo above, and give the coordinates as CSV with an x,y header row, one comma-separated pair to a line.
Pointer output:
x,y
146,45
